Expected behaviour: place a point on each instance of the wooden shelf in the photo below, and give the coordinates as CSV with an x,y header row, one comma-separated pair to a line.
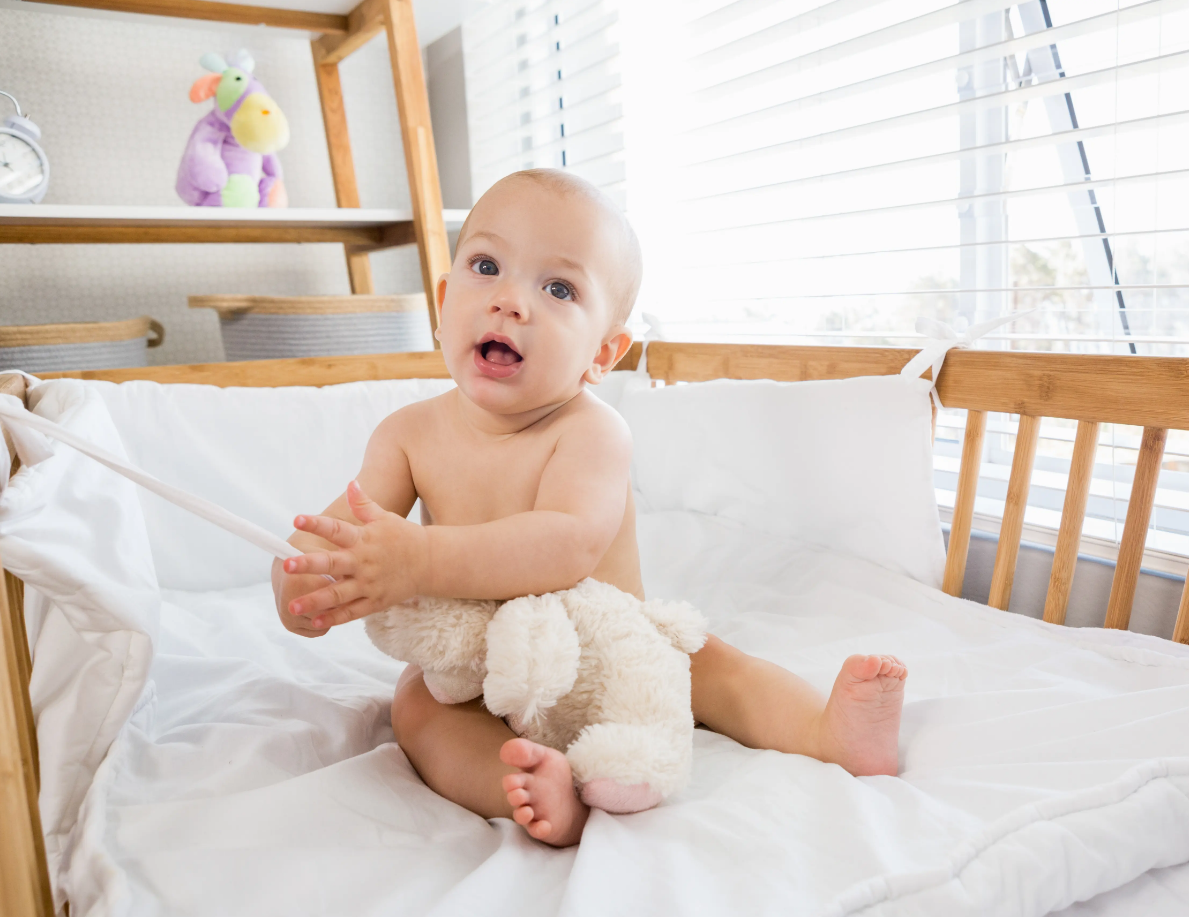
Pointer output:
x,y
363,230
310,17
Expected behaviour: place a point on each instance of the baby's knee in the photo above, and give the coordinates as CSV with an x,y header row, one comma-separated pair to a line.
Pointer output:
x,y
718,674
412,705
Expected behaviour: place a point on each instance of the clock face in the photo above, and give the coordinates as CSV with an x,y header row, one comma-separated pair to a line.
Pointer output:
x,y
20,166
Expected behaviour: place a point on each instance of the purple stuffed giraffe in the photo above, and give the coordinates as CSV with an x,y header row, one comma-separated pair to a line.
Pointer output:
x,y
230,158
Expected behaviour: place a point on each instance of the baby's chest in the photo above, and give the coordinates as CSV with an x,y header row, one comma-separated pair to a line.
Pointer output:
x,y
467,486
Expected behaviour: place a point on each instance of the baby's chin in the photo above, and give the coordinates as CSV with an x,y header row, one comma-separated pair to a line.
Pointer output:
x,y
516,395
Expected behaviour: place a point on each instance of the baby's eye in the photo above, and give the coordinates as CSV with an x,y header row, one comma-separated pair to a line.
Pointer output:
x,y
485,266
559,290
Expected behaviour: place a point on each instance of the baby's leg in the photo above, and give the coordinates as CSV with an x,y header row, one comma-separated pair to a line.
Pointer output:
x,y
761,705
472,758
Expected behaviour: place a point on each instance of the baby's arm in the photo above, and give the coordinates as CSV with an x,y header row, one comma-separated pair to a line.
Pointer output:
x,y
386,475
578,510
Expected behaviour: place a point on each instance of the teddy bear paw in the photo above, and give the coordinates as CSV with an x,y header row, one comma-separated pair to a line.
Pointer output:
x,y
610,796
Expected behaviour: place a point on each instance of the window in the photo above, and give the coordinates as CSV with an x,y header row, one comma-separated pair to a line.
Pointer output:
x,y
543,91
804,171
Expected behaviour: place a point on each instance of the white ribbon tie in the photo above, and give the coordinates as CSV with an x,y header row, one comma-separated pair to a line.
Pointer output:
x,y
943,338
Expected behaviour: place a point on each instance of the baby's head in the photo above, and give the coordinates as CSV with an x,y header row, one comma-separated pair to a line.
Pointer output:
x,y
544,279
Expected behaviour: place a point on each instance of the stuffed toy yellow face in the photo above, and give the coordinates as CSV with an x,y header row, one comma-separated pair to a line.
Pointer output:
x,y
257,122
259,125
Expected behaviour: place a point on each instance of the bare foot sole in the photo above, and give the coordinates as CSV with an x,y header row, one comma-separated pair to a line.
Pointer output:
x,y
542,795
860,727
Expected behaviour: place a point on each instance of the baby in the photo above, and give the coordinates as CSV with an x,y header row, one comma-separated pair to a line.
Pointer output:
x,y
523,477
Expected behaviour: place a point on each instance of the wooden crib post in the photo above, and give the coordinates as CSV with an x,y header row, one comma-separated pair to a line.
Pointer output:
x,y
1077,491
963,515
1180,632
24,878
1135,529
1008,551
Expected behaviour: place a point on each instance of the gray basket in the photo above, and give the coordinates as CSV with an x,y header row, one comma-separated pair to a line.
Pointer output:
x,y
79,345
277,327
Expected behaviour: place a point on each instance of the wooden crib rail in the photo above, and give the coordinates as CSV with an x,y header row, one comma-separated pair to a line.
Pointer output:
x,y
1152,392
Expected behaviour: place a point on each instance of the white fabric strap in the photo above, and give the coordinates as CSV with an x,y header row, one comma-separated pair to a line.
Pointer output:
x,y
943,338
655,332
29,432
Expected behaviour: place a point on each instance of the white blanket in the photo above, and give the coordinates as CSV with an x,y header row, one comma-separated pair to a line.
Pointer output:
x,y
1040,765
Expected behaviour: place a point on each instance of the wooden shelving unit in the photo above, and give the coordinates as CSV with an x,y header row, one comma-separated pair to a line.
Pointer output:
x,y
360,231
24,878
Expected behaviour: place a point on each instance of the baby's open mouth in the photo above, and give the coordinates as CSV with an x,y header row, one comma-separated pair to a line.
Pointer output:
x,y
499,353
495,356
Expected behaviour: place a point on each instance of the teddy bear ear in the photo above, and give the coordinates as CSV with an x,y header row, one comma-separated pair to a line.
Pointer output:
x,y
204,87
532,657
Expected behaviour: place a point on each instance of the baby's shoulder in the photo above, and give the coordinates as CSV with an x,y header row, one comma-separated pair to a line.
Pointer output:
x,y
589,416
410,421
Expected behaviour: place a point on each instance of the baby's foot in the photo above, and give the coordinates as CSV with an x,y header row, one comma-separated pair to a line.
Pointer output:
x,y
860,727
542,795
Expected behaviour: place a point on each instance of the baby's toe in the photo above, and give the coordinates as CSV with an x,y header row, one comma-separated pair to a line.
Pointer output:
x,y
518,797
540,829
515,782
522,816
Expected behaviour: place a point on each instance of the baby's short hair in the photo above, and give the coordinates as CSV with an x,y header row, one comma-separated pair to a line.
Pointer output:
x,y
627,285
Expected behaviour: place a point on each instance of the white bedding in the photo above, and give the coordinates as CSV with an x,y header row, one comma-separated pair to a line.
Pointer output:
x,y
1040,766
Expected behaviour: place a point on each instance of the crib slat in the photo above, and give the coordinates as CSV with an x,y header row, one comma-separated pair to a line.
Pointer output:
x,y
959,547
24,882
1180,632
1077,490
1135,529
1008,551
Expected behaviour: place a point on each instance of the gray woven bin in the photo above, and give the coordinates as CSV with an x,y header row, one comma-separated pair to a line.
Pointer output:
x,y
79,345
277,327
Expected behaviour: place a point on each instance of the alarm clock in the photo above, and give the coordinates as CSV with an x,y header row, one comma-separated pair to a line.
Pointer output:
x,y
24,168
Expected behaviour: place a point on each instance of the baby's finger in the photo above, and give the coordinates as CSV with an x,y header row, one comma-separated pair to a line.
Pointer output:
x,y
344,534
351,611
314,603
337,563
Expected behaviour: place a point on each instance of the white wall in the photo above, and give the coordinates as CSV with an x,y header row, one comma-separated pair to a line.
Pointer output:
x,y
110,96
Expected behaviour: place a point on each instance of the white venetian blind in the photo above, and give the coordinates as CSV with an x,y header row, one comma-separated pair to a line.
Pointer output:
x,y
826,172
543,90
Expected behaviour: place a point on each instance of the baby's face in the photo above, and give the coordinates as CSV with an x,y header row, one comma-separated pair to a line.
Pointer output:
x,y
527,311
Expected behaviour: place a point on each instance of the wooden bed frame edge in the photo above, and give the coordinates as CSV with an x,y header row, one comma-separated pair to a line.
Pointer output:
x,y
1152,392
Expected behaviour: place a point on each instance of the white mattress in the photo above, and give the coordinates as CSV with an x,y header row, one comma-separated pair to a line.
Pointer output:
x,y
1039,766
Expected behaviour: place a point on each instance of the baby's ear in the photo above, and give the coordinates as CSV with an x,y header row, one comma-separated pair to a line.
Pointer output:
x,y
609,354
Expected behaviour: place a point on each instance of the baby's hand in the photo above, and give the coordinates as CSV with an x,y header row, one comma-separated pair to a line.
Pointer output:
x,y
381,564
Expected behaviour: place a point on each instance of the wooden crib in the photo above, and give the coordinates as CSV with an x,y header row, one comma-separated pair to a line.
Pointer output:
x,y
1152,392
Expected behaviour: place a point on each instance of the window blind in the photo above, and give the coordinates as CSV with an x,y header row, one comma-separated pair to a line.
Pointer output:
x,y
543,91
828,172
803,171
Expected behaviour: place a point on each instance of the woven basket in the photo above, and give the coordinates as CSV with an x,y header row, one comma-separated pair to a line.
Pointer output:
x,y
274,327
79,345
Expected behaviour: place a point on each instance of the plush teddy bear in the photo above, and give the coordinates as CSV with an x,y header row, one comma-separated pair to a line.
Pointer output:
x,y
592,671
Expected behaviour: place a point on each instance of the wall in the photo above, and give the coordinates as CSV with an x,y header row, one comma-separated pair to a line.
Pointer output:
x,y
110,96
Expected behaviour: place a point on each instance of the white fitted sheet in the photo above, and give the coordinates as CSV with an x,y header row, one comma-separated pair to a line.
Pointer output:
x,y
1039,766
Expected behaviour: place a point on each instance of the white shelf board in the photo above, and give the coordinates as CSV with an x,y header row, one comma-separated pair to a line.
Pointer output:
x,y
114,215
72,223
